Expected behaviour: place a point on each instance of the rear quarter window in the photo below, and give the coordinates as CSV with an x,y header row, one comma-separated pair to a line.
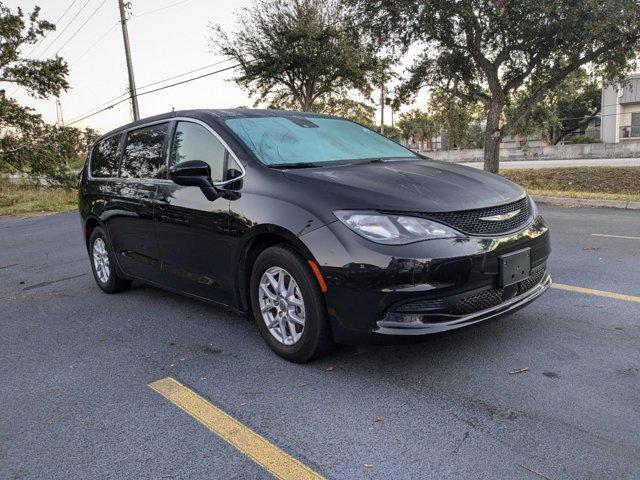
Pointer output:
x,y
104,158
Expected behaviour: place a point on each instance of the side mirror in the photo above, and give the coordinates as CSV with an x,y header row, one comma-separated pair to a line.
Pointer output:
x,y
194,173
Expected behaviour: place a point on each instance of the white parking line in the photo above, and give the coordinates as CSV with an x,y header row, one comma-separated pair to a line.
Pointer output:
x,y
614,236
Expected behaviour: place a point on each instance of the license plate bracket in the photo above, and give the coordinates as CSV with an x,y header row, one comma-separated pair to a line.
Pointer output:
x,y
514,267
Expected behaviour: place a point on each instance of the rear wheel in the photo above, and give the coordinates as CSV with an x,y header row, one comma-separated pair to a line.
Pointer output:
x,y
102,264
287,305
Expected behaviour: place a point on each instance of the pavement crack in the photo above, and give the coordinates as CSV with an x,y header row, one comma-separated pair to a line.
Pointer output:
x,y
44,284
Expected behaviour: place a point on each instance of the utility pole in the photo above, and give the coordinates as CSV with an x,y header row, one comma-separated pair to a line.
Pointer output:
x,y
127,52
382,109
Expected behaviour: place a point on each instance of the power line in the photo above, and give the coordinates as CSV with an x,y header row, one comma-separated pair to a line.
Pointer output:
x,y
47,34
101,37
152,84
148,12
153,91
64,29
81,26
95,43
183,74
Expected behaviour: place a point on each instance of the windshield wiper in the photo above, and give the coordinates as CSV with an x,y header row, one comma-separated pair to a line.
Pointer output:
x,y
294,165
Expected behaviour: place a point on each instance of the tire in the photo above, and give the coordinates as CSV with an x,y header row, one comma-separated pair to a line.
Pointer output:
x,y
104,272
314,337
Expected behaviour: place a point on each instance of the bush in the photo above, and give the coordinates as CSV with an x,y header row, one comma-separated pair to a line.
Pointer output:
x,y
578,139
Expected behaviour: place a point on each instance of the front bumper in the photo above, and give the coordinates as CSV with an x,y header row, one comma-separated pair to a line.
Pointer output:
x,y
369,283
423,325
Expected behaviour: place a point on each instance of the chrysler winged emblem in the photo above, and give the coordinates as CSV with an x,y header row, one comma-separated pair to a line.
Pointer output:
x,y
500,218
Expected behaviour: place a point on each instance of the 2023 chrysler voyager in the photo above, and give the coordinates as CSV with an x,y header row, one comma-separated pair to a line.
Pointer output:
x,y
320,229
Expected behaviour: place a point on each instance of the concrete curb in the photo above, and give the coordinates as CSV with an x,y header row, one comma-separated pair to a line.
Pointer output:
x,y
586,202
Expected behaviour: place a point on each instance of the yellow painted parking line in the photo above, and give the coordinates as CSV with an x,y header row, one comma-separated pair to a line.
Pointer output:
x,y
277,462
597,293
614,236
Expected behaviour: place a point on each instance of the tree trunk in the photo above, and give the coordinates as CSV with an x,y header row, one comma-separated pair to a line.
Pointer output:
x,y
492,139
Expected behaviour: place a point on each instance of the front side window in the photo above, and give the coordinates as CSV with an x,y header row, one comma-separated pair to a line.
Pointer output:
x,y
142,157
104,158
281,141
194,142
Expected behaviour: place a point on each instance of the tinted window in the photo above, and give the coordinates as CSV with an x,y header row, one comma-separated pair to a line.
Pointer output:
x,y
104,158
194,142
142,157
286,140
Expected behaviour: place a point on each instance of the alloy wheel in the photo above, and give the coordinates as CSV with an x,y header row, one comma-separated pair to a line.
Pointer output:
x,y
282,305
101,260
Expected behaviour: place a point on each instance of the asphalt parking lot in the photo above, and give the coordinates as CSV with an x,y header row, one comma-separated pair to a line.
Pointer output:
x,y
550,392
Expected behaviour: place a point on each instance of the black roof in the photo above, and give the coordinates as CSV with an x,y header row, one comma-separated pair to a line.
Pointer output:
x,y
216,113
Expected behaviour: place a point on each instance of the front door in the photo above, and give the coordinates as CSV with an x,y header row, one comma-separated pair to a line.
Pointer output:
x,y
193,231
130,216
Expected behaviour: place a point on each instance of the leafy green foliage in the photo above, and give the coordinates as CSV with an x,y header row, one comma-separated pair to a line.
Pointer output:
x,y
580,139
459,121
40,77
569,107
577,102
339,106
298,52
353,110
417,125
487,50
27,143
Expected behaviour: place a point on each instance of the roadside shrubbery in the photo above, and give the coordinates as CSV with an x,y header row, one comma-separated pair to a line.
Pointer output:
x,y
30,199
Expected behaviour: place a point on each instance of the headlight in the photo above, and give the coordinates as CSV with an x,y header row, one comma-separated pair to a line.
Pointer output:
x,y
393,229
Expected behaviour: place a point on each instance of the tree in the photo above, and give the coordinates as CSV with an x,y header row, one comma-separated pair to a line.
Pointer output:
x,y
28,144
41,78
417,125
298,51
354,110
487,50
458,120
577,104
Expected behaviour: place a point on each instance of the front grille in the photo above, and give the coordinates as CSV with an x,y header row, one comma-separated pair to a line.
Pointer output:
x,y
469,221
420,306
531,281
479,301
473,303
492,298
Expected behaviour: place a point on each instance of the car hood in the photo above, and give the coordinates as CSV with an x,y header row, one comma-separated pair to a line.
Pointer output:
x,y
411,186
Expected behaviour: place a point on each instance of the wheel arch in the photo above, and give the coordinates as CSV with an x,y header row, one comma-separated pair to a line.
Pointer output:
x,y
256,241
89,225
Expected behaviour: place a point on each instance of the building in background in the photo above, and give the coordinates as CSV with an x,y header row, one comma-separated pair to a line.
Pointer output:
x,y
621,112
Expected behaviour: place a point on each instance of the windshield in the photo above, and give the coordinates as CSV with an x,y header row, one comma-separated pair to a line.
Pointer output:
x,y
302,140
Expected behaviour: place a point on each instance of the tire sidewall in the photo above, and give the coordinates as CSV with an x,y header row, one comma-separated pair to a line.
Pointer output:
x,y
315,329
110,285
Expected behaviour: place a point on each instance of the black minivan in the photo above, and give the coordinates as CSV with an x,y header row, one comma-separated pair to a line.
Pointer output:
x,y
320,229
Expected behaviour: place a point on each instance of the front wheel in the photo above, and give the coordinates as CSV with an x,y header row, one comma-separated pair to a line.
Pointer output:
x,y
288,306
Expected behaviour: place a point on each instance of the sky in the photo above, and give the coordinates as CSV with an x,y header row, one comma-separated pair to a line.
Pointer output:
x,y
168,38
